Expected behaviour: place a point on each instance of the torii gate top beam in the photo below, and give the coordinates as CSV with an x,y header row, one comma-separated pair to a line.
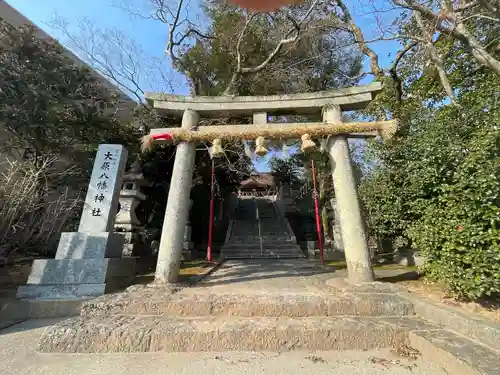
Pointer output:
x,y
352,98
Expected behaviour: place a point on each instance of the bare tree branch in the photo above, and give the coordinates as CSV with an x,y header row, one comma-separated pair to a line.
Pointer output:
x,y
98,46
291,36
117,57
181,30
394,73
435,57
358,35
491,6
451,24
174,16
467,6
237,74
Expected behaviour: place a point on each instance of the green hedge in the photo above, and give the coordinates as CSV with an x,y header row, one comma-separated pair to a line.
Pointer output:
x,y
459,231
437,187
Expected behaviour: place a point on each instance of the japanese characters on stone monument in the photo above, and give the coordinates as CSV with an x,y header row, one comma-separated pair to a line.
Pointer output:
x,y
88,262
101,203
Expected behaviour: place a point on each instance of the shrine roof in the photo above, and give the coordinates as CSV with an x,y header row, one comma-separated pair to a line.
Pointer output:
x,y
258,180
352,98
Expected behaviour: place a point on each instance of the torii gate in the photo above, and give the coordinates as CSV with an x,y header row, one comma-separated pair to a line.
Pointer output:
x,y
328,104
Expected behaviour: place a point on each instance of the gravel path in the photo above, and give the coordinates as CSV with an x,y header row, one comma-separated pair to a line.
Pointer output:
x,y
18,356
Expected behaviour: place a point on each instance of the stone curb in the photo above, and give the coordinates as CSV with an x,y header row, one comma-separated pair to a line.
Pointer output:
x,y
464,343
455,353
10,322
20,310
469,325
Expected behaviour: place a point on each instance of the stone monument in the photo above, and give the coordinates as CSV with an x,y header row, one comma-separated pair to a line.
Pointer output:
x,y
88,262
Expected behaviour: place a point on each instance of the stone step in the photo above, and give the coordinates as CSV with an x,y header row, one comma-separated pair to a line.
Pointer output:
x,y
273,228
256,243
257,249
257,238
256,246
273,223
263,256
267,252
263,233
270,233
118,333
256,227
194,302
265,245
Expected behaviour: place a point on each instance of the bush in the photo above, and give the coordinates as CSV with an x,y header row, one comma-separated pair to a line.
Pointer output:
x,y
33,213
437,186
459,232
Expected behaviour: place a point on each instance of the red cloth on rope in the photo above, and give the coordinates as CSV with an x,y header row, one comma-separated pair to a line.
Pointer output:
x,y
165,136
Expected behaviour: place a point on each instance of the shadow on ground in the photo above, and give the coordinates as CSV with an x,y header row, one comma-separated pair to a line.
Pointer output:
x,y
29,324
255,270
402,275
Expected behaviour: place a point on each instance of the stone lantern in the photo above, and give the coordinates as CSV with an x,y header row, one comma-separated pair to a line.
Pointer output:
x,y
188,243
126,219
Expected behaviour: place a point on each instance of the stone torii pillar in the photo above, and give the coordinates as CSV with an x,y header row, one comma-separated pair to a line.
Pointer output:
x,y
351,222
176,213
330,103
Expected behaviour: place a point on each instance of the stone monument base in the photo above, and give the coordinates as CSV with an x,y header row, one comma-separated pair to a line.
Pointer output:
x,y
78,245
85,265
75,278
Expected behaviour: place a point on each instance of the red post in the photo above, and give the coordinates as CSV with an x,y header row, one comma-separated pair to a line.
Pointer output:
x,y
210,224
318,221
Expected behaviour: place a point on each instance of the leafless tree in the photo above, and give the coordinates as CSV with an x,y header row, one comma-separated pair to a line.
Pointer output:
x,y
288,27
178,16
453,17
434,56
431,19
115,55
291,35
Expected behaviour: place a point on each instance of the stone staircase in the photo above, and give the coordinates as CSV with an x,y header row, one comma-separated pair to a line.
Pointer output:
x,y
279,305
255,305
259,231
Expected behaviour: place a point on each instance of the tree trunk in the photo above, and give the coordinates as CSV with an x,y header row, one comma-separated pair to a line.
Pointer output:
x,y
477,50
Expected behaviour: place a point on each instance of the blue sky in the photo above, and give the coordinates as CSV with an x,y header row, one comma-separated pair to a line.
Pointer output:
x,y
151,35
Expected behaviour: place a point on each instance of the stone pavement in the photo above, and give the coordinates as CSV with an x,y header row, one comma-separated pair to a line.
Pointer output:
x,y
18,356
